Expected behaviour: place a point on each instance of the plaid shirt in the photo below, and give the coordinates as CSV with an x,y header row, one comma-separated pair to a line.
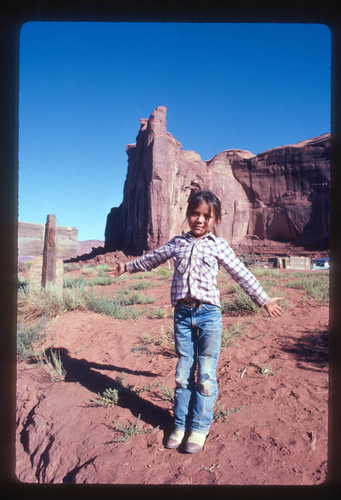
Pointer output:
x,y
196,265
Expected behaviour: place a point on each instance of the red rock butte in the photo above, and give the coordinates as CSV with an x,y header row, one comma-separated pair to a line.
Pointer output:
x,y
281,194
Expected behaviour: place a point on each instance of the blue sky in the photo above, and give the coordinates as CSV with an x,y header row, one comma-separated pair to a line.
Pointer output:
x,y
84,86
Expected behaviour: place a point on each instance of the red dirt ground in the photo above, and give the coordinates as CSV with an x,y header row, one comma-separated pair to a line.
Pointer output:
x,y
276,433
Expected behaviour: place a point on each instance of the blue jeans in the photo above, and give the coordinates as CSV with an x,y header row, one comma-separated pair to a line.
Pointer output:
x,y
197,333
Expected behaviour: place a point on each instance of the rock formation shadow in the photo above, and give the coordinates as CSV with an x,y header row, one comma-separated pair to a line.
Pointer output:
x,y
84,372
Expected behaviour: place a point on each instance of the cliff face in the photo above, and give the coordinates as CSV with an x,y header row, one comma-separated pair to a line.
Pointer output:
x,y
281,194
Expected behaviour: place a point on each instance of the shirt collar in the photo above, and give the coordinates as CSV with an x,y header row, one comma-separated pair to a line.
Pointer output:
x,y
208,235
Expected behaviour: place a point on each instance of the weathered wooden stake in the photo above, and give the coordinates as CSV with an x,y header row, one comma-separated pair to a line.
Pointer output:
x,y
49,255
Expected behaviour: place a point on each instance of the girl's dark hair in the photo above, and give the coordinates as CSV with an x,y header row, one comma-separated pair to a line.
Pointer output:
x,y
204,196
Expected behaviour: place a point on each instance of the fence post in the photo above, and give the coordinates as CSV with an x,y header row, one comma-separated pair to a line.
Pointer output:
x,y
49,255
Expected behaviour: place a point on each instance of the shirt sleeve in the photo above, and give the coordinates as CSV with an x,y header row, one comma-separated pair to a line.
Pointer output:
x,y
152,259
241,274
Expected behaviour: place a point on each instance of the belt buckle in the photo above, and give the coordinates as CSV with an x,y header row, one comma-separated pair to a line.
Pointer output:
x,y
191,303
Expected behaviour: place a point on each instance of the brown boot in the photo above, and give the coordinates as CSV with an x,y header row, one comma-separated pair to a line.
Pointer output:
x,y
175,439
195,442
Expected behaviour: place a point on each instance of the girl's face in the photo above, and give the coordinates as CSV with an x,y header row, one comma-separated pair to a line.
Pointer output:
x,y
201,221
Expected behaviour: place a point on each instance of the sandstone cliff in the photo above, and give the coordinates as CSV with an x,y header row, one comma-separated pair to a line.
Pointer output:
x,y
281,194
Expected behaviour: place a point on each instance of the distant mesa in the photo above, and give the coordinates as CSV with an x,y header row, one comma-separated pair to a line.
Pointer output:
x,y
281,194
87,246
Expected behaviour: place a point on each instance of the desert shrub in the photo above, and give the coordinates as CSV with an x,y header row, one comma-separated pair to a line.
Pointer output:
x,y
268,282
165,337
163,273
240,302
157,312
52,300
75,298
123,387
111,307
233,287
131,429
99,271
220,414
22,284
129,299
102,268
259,272
148,339
108,398
266,370
27,337
53,365
36,300
74,282
137,276
141,285
102,280
316,287
299,274
71,267
231,335
167,392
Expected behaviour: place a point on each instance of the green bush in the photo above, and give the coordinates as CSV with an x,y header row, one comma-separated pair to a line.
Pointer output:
x,y
141,285
102,268
108,398
231,335
36,300
163,273
316,287
259,272
22,284
52,365
157,312
240,302
110,307
71,267
52,300
131,429
102,281
220,414
75,298
28,336
89,270
74,282
129,299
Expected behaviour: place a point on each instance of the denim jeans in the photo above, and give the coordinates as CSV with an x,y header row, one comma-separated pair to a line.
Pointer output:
x,y
197,333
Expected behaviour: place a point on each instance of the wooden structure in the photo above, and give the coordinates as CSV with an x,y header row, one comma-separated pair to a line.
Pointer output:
x,y
293,262
49,254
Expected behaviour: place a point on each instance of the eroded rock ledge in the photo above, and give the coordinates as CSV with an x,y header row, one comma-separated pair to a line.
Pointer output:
x,y
281,194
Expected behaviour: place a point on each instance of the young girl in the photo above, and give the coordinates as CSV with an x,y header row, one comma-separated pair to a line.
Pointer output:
x,y
197,319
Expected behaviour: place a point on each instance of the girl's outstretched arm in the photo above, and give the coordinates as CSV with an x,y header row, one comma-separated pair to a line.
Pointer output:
x,y
120,269
272,308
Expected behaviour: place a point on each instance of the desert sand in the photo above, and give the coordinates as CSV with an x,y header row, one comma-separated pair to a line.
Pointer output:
x,y
271,419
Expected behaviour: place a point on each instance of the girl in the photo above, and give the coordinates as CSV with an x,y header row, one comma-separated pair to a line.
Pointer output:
x,y
197,256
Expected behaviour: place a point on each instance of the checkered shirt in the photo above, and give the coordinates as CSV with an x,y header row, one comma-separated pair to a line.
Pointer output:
x,y
196,265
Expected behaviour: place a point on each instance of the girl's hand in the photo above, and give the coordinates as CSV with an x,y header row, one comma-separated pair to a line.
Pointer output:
x,y
120,269
272,308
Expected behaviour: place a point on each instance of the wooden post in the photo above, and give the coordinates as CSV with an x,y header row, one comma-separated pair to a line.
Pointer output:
x,y
49,255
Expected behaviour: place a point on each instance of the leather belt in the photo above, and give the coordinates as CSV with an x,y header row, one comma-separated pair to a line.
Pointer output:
x,y
189,303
